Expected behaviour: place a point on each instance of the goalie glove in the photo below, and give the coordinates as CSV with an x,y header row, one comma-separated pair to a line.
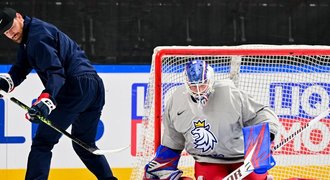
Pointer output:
x,y
43,106
6,83
164,165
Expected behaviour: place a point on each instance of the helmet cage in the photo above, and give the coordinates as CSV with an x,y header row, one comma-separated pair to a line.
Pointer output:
x,y
199,80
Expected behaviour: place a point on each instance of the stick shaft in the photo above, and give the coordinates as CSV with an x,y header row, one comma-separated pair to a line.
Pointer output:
x,y
58,129
84,145
300,130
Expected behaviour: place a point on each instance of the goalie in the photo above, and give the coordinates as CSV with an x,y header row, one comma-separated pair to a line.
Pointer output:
x,y
206,117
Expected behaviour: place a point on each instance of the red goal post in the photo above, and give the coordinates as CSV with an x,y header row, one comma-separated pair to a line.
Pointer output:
x,y
258,69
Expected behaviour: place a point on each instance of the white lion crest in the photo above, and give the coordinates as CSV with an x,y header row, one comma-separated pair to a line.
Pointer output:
x,y
203,137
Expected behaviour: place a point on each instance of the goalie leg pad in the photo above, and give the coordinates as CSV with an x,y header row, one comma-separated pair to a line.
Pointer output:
x,y
164,165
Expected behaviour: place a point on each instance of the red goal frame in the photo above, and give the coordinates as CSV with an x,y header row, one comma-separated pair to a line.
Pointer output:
x,y
269,50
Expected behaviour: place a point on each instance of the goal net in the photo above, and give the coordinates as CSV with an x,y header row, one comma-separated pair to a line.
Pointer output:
x,y
294,80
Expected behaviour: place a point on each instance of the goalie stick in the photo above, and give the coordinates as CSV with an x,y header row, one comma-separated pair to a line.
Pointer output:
x,y
93,150
248,168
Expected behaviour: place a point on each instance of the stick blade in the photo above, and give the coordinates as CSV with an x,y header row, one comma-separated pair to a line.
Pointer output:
x,y
110,151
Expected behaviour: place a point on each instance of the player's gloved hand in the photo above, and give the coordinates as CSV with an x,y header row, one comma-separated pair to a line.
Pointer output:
x,y
164,165
43,106
6,83
160,173
163,175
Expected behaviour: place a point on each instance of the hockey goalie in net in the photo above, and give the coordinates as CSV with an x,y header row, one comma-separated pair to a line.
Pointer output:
x,y
205,117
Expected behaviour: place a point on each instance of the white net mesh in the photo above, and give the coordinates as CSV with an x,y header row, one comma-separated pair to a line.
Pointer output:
x,y
293,80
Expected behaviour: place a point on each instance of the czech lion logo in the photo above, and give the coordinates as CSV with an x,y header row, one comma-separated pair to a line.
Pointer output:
x,y
203,137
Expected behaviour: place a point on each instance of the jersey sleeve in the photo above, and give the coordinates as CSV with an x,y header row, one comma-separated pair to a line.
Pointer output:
x,y
21,68
171,138
254,113
47,60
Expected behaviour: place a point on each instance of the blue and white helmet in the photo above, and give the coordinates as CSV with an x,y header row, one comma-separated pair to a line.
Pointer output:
x,y
199,80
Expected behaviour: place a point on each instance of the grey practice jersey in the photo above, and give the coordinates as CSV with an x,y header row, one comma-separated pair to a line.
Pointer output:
x,y
213,133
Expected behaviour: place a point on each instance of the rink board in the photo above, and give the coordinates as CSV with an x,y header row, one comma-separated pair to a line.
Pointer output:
x,y
125,90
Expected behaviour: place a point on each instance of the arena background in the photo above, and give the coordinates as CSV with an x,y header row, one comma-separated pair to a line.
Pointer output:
x,y
126,31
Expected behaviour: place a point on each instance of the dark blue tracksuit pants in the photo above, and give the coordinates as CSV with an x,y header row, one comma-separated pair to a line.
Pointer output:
x,y
79,104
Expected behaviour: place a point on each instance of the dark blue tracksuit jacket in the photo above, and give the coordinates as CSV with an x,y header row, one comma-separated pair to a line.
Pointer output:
x,y
72,81
51,53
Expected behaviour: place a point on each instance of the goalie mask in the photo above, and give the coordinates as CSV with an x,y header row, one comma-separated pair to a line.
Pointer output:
x,y
199,80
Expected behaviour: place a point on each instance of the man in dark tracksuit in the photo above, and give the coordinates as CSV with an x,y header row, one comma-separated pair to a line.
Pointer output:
x,y
73,94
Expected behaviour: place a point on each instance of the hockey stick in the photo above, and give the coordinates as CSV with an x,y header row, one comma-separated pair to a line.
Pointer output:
x,y
93,150
247,167
244,169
